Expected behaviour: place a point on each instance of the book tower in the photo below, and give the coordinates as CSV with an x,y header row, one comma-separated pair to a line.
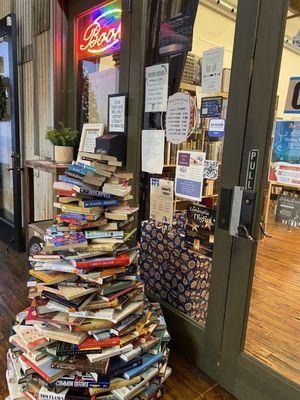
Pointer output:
x,y
89,331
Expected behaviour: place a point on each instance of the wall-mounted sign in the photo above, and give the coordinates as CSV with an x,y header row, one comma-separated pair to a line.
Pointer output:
x,y
285,162
176,35
161,200
117,112
98,31
292,104
178,118
216,127
156,96
189,174
212,70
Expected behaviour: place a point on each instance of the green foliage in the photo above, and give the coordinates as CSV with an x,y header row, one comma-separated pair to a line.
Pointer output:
x,y
62,136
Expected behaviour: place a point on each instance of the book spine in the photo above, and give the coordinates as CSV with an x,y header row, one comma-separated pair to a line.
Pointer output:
x,y
74,175
36,368
67,179
101,203
102,263
96,193
93,343
77,169
103,234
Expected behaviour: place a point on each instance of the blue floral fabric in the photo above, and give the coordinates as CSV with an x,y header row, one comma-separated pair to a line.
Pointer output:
x,y
172,272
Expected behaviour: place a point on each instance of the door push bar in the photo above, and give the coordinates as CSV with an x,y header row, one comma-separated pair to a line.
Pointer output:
x,y
236,211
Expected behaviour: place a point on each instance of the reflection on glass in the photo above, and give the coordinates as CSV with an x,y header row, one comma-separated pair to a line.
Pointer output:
x,y
274,324
6,177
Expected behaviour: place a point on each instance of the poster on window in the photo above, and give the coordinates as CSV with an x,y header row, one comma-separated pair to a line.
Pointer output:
x,y
212,70
285,162
161,200
156,96
178,118
189,174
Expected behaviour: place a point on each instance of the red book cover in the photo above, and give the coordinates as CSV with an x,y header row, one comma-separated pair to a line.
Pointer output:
x,y
91,343
120,293
67,193
121,260
36,368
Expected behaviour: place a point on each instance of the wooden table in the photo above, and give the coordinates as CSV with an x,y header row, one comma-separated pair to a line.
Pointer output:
x,y
50,167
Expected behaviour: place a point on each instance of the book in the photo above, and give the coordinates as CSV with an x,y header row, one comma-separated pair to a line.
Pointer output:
x,y
92,344
82,380
91,192
95,157
98,203
43,368
81,364
121,260
63,335
52,277
94,234
129,392
147,361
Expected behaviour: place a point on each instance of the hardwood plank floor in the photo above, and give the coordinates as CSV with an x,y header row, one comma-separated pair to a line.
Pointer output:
x,y
186,382
273,333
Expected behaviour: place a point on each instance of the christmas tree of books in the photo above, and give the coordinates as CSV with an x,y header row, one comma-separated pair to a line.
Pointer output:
x,y
90,332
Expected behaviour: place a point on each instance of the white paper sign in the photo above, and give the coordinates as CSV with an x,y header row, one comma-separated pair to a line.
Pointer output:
x,y
211,168
189,174
212,69
157,77
178,118
161,200
116,117
153,149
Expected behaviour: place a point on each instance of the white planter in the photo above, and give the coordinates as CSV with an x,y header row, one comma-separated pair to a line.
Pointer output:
x,y
63,154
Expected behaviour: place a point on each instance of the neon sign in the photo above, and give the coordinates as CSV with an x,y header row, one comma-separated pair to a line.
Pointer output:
x,y
98,32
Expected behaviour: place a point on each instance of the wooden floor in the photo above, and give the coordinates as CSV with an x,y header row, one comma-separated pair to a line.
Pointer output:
x,y
186,382
273,333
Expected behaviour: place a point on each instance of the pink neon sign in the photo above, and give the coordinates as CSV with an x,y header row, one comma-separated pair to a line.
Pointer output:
x,y
99,30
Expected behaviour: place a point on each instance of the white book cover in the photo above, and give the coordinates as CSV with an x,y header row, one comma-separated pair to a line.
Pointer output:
x,y
107,353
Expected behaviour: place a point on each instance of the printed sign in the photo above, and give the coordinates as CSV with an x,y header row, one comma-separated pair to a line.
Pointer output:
x,y
251,170
153,148
161,200
116,113
189,174
176,35
216,127
157,78
292,104
288,210
178,118
211,107
212,69
285,162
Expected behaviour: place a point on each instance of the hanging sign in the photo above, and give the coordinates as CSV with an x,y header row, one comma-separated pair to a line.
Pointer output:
x,y
285,162
178,118
157,78
216,127
161,200
189,174
98,31
292,104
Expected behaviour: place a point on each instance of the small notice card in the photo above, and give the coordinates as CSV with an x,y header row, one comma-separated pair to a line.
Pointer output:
x,y
189,174
116,113
156,96
212,69
178,118
153,148
161,200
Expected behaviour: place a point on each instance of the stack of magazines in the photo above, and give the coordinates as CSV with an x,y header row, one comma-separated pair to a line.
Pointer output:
x,y
89,332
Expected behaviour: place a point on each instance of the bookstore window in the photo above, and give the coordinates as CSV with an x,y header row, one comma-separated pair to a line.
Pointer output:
x,y
177,251
97,49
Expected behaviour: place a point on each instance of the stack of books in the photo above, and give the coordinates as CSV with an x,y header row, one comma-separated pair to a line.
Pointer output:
x,y
90,332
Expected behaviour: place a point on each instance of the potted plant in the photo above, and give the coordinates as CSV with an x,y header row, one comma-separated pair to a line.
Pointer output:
x,y
63,139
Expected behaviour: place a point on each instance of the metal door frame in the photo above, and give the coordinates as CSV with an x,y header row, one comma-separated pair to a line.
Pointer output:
x,y
12,232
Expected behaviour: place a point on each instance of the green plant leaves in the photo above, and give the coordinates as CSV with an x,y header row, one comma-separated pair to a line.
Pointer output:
x,y
62,136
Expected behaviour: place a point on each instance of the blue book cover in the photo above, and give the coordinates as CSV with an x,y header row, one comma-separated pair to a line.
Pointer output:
x,y
147,361
87,167
117,366
93,192
94,234
72,181
77,169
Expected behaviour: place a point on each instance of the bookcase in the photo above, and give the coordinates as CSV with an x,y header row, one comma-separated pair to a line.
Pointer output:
x,y
198,140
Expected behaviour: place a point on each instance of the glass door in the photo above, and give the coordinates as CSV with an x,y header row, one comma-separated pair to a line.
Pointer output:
x,y
10,180
260,355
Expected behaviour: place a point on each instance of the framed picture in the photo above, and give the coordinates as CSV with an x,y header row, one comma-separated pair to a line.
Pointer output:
x,y
117,113
88,136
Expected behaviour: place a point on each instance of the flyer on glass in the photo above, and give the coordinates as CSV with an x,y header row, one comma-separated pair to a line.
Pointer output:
x,y
153,150
212,70
156,96
161,200
189,174
178,118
